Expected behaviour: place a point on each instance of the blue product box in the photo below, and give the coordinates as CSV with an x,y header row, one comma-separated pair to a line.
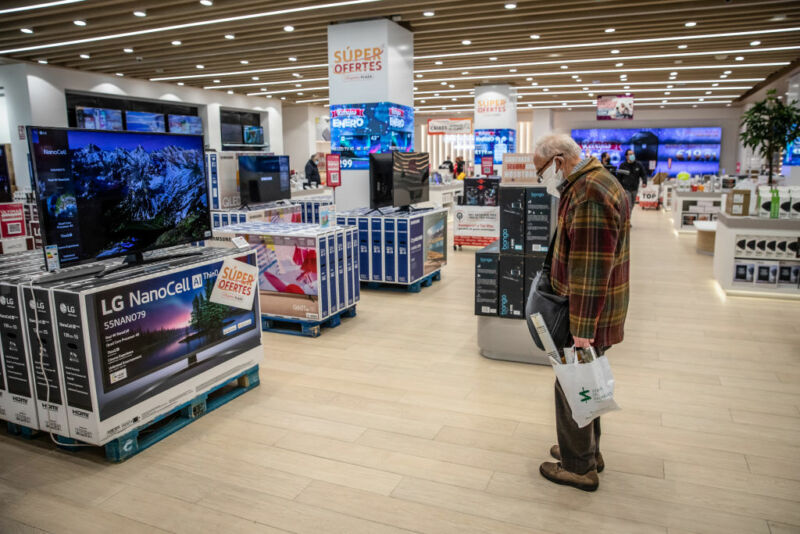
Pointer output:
x,y
402,250
376,250
389,252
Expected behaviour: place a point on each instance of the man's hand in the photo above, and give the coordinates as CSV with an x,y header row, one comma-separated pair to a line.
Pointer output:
x,y
583,343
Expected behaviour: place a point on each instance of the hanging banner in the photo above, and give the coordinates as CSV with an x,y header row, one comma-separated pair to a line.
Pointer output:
x,y
333,166
614,107
449,126
495,107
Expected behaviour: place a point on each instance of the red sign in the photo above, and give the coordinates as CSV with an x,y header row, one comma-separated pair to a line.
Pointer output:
x,y
487,165
12,219
333,166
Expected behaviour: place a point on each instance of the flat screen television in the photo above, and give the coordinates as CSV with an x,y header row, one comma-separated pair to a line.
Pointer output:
x,y
253,135
185,124
143,121
494,143
104,194
398,179
231,134
98,118
264,179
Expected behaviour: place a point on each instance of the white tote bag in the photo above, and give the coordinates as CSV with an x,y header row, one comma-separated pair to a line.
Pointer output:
x,y
589,388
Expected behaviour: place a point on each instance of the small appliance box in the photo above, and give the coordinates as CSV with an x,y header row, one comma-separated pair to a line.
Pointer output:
x,y
481,191
312,207
743,270
511,301
538,219
788,274
533,263
133,346
12,220
487,270
766,273
737,202
290,213
512,219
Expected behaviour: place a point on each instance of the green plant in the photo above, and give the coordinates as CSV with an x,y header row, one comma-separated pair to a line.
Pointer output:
x,y
769,126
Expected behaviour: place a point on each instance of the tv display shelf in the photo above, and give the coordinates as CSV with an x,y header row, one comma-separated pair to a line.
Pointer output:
x,y
688,207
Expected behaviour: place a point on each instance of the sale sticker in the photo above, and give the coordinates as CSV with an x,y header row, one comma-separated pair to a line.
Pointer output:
x,y
235,284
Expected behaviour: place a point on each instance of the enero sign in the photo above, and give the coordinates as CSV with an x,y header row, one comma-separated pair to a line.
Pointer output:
x,y
449,126
348,118
358,61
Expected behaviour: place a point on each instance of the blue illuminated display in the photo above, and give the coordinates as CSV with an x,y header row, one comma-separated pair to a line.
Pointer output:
x,y
358,130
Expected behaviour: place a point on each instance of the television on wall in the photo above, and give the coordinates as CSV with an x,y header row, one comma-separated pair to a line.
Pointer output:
x,y
358,130
253,135
143,121
104,194
263,179
98,118
669,150
494,143
185,124
398,179
231,134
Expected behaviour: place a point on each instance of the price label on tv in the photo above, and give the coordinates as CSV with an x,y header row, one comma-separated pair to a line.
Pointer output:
x,y
333,167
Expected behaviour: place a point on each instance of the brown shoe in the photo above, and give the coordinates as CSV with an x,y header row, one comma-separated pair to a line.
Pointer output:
x,y
555,473
555,452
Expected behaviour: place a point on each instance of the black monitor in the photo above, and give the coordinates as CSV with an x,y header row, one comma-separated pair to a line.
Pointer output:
x,y
231,134
103,194
263,179
398,179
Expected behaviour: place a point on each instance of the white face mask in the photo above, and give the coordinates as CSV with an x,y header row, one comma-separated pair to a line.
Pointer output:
x,y
551,178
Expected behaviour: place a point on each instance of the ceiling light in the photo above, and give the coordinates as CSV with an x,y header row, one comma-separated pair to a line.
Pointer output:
x,y
586,88
207,3
510,6
563,103
26,30
708,92
625,87
230,92
512,70
618,64
670,86
300,93
714,84
288,28
43,61
140,13
435,94
739,58
428,14
727,72
215,81
444,83
230,36
778,18
535,36
423,101
120,74
700,99
79,22
564,67
534,84
298,85
492,58
255,78
545,89
528,79
615,51
85,56
673,73
244,62
672,77
466,42
752,43
694,105
200,66
663,101
416,88
464,73
283,98
296,75
437,62
263,88
690,24
591,94
128,50
451,86
176,43
292,58
610,30
683,47
453,99
575,76
419,75
723,76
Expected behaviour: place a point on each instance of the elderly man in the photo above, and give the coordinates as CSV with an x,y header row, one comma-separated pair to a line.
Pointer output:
x,y
590,266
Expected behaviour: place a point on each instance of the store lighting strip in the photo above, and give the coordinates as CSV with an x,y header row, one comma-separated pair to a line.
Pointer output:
x,y
616,90
592,102
288,91
611,43
310,100
240,73
258,84
38,6
559,106
149,31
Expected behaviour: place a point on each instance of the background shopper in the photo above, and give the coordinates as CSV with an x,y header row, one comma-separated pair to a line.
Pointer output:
x,y
590,266
630,173
449,164
312,170
460,168
605,159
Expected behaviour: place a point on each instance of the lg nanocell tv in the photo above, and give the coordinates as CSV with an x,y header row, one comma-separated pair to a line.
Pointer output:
x,y
143,121
105,194
185,124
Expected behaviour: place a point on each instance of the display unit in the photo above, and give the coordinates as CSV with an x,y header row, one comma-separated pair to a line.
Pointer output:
x,y
688,207
98,118
358,130
104,194
144,121
185,124
494,143
253,135
399,179
231,134
263,179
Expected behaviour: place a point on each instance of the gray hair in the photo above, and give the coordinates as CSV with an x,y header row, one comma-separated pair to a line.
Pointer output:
x,y
550,145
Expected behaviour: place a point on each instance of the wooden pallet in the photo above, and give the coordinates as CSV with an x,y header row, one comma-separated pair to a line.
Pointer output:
x,y
139,439
21,430
416,287
304,327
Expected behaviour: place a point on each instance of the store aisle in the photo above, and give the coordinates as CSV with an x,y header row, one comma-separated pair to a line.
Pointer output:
x,y
392,422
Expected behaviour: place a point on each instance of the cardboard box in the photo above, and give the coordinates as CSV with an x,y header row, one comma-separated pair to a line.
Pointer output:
x,y
766,273
743,271
788,274
511,301
538,219
487,270
512,219
737,203
784,202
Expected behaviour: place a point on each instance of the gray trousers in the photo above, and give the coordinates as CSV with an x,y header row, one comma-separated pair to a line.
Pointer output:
x,y
631,200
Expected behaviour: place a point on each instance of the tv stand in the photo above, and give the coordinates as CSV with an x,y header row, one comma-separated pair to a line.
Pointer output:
x,y
137,258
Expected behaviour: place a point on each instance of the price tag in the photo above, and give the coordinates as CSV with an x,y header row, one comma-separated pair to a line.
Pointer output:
x,y
333,164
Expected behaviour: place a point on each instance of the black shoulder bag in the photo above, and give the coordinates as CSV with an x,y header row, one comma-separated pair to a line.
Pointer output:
x,y
554,308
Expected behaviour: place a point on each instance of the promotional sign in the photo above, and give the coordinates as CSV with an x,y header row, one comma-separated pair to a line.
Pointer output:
x,y
495,107
487,165
519,168
12,219
674,150
235,285
476,225
358,130
494,143
648,197
614,107
449,126
333,166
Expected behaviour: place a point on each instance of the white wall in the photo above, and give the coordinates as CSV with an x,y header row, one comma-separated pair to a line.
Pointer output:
x,y
35,95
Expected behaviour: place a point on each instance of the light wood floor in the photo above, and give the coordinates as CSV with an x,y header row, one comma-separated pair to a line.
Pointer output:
x,y
393,422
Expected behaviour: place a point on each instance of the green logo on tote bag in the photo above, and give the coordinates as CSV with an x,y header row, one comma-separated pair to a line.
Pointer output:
x,y
585,395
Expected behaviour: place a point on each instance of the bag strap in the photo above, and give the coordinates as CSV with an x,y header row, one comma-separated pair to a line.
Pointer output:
x,y
548,259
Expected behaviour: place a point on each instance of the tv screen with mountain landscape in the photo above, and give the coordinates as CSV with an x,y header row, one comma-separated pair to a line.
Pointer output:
x,y
106,194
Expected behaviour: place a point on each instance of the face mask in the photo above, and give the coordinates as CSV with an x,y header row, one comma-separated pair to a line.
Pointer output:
x,y
551,178
631,158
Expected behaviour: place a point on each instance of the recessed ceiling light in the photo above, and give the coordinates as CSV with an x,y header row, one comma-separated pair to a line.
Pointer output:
x,y
528,79
683,46
428,14
230,92
128,50
140,13
564,67
244,62
534,84
464,73
79,22
563,103
627,87
297,75
492,58
727,72
419,75
670,86
714,85
536,36
283,98
708,92
673,73
85,56
545,89
690,24
215,81
510,6
43,61
723,76
575,76
451,86
423,101
667,92
739,58
176,43
591,94
618,64
586,88
578,80
672,77
512,70
435,94
416,88
298,85
26,30
200,66
662,107
300,93
663,101
755,43
255,78
694,105
437,62
778,18
207,3
292,58
230,36
466,42
610,30
453,99
615,51
180,83
701,99
120,74
288,28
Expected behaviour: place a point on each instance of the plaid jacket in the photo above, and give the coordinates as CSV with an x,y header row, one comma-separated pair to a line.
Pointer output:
x,y
591,254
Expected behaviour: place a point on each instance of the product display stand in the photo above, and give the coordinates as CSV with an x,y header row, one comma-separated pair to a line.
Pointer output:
x,y
508,340
758,256
690,206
